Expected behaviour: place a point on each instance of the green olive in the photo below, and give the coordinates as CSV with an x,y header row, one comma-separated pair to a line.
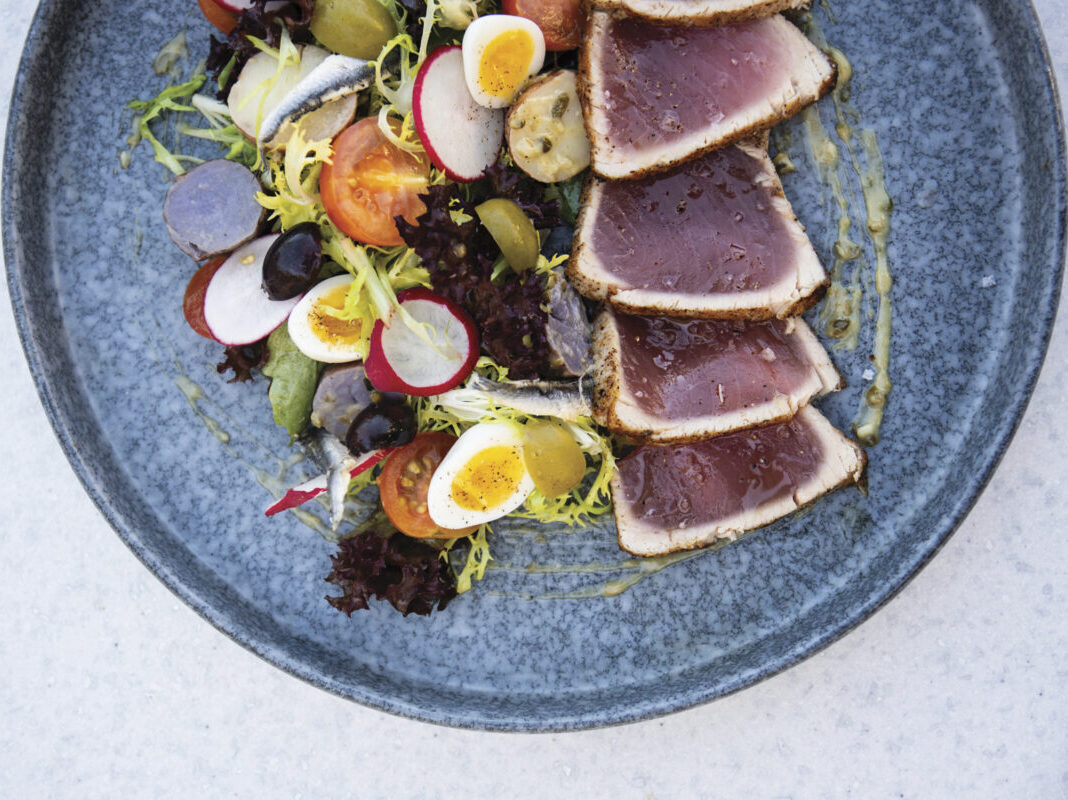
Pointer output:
x,y
356,28
552,457
513,232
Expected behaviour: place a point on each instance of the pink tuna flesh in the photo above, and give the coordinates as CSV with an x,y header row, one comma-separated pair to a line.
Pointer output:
x,y
674,497
725,233
661,83
677,369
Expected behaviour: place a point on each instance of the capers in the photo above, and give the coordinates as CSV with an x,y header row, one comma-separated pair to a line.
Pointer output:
x,y
293,262
838,328
560,105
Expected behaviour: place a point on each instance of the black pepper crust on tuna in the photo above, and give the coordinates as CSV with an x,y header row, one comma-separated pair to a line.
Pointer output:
x,y
664,381
699,14
598,37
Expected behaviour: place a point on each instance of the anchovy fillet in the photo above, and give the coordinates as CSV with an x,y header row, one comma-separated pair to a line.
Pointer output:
x,y
337,77
568,400
331,454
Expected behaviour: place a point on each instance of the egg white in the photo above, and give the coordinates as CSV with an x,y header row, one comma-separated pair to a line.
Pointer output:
x,y
304,336
478,36
441,506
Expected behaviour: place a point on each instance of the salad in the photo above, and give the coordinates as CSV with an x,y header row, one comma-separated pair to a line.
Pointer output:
x,y
369,245
388,239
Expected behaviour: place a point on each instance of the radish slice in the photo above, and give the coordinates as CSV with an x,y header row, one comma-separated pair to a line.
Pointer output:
x,y
400,360
460,136
237,6
236,309
313,487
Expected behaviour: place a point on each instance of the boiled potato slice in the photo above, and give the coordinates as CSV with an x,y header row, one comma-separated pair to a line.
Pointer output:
x,y
545,132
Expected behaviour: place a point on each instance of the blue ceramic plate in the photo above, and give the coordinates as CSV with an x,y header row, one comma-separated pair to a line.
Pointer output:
x,y
960,97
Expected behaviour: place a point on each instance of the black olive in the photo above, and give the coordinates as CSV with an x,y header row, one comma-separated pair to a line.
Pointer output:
x,y
292,264
381,425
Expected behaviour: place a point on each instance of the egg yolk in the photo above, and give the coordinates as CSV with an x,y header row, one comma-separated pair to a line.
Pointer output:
x,y
488,479
504,63
328,328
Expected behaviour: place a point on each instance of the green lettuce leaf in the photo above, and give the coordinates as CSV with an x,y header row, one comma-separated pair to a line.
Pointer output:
x,y
569,195
294,377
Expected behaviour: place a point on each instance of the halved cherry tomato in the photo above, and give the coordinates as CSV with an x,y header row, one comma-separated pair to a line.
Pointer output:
x,y
193,302
404,481
561,21
370,182
222,18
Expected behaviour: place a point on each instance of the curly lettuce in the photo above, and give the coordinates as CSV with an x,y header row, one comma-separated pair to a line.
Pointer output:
x,y
592,497
169,100
476,560
293,197
221,129
174,103
405,572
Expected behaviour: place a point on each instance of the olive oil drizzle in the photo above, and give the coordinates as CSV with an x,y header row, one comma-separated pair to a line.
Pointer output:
x,y
840,313
275,483
278,482
879,206
635,571
193,394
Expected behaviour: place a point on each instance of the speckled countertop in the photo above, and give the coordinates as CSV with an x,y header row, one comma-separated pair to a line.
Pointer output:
x,y
109,687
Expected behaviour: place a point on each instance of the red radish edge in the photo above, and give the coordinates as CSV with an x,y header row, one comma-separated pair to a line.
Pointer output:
x,y
235,6
383,376
313,487
192,304
462,135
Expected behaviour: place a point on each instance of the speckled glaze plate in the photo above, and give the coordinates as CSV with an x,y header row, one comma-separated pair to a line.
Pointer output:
x,y
960,97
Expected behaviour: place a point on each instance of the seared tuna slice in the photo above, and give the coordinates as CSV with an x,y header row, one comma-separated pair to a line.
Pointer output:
x,y
656,95
714,238
664,380
680,497
699,12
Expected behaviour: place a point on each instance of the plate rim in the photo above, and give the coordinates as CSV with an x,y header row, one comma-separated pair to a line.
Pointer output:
x,y
33,53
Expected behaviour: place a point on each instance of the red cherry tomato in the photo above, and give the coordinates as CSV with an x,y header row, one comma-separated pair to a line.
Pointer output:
x,y
219,16
193,302
369,182
404,482
561,21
